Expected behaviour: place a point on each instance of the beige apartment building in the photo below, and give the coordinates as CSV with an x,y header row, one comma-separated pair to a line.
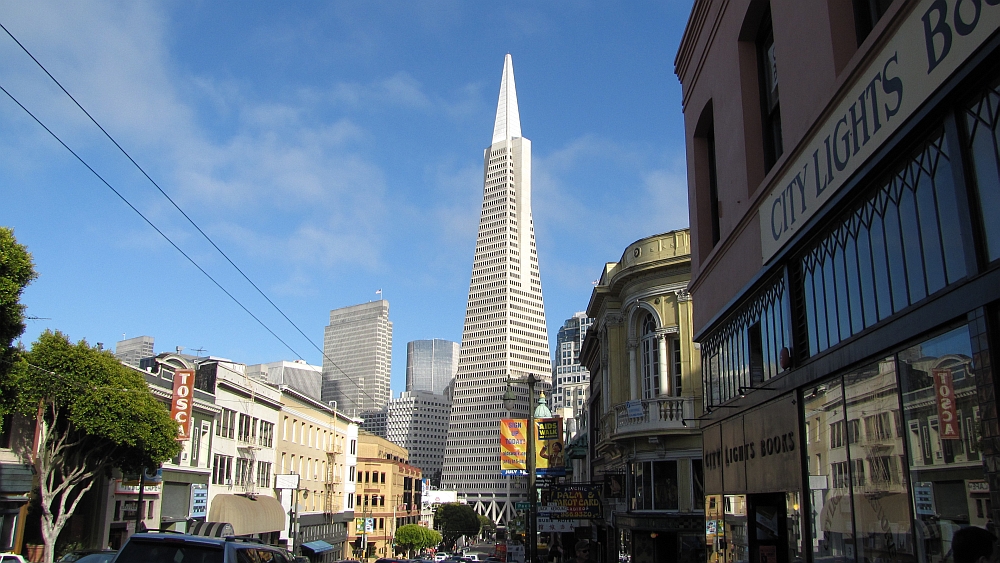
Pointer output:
x,y
387,496
319,444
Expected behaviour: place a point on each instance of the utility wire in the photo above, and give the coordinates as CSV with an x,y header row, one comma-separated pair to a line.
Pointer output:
x,y
186,216
146,219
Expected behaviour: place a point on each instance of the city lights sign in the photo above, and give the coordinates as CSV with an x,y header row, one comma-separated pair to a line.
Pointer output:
x,y
931,43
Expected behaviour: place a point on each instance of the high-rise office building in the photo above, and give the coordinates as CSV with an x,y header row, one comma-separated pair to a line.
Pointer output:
x,y
299,375
418,421
570,380
504,333
431,364
357,357
131,350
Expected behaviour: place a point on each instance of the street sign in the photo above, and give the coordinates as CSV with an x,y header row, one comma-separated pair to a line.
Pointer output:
x,y
522,505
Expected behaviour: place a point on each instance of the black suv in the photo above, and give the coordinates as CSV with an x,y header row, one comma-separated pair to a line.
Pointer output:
x,y
184,548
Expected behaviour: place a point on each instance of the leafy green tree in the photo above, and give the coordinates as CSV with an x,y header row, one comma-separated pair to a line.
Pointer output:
x,y
486,526
413,537
16,272
455,520
93,413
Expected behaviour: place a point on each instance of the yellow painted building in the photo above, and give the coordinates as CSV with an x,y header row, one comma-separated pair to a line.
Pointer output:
x,y
387,496
645,396
319,444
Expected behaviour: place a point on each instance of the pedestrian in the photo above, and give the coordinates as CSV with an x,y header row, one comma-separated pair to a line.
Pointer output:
x,y
972,545
582,552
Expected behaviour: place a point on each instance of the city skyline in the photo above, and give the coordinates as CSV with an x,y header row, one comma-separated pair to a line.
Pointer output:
x,y
330,150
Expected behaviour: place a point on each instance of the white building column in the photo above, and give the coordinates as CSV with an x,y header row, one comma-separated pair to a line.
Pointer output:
x,y
665,382
635,386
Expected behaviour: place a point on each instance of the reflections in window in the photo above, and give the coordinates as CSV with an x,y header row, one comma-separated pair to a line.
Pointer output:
x,y
981,121
941,411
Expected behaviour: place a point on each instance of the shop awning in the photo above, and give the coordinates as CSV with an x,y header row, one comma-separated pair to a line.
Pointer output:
x,y
318,546
213,529
257,515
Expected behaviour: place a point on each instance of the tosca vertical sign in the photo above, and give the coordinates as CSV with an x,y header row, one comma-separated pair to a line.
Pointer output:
x,y
936,37
182,401
944,393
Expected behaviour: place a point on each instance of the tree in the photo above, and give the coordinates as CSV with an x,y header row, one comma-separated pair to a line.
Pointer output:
x,y
16,272
413,537
93,413
455,520
486,525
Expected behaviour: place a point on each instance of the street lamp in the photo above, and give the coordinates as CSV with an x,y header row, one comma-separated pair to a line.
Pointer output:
x,y
509,399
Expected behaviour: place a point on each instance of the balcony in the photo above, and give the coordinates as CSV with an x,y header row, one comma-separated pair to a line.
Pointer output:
x,y
647,417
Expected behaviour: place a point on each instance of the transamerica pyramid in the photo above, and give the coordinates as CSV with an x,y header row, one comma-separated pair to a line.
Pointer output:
x,y
504,333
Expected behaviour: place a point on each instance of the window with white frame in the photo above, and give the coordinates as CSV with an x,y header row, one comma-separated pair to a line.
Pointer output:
x,y
650,358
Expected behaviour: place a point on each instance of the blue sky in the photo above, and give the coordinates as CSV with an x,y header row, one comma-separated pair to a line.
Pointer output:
x,y
330,149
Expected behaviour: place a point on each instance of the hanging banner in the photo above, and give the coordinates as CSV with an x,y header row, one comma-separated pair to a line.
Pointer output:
x,y
550,459
513,446
944,391
182,401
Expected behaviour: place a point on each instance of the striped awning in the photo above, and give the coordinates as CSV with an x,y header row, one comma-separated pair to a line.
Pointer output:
x,y
248,515
214,529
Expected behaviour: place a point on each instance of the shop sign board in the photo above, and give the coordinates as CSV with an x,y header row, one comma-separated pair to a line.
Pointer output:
x,y
199,501
753,452
181,402
634,409
923,498
771,432
933,40
944,392
711,440
580,501
735,451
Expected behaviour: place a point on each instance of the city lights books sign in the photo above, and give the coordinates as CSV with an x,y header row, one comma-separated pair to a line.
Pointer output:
x,y
549,456
935,38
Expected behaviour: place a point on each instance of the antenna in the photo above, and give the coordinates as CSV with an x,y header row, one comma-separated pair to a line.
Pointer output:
x,y
199,351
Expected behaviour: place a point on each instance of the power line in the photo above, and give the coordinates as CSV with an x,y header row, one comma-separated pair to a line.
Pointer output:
x,y
181,211
146,219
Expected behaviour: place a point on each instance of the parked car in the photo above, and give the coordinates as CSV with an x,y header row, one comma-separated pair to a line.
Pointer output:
x,y
184,548
104,555
11,558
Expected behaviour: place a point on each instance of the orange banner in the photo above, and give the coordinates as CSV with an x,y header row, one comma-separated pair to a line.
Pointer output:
x,y
513,446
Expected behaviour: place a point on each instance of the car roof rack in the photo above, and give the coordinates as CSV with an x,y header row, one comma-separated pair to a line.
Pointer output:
x,y
247,539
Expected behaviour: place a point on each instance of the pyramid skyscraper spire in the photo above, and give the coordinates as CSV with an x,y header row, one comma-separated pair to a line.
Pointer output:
x,y
508,122
504,333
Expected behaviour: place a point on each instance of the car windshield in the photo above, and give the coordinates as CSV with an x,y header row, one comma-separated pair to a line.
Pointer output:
x,y
169,552
97,557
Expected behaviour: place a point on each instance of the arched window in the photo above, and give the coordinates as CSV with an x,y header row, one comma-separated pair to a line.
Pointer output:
x,y
650,358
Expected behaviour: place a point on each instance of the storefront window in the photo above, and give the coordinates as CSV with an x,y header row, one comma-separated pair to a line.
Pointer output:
x,y
829,492
982,118
876,462
893,249
655,485
941,414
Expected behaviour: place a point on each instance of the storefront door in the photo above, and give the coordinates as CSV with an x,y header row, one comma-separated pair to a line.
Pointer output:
x,y
769,530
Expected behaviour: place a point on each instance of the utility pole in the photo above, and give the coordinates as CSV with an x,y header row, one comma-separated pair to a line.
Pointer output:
x,y
509,398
